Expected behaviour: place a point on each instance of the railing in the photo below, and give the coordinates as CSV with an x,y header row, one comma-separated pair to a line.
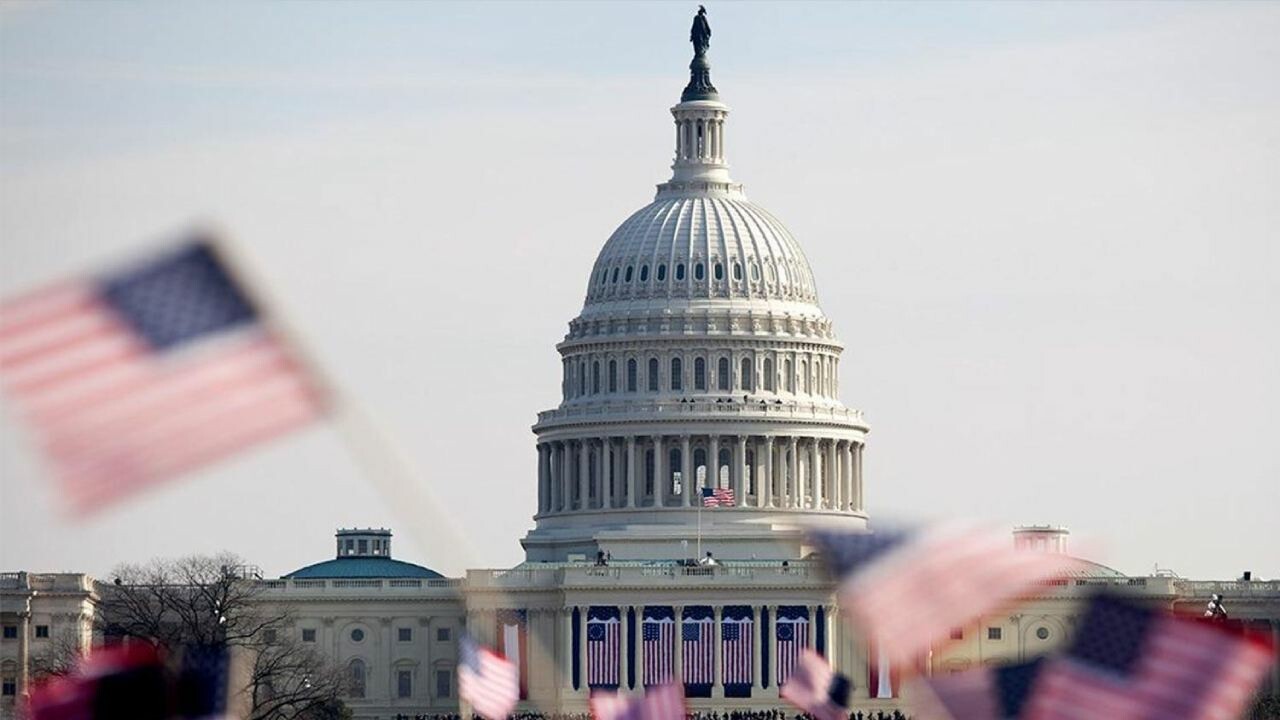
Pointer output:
x,y
340,584
752,409
46,582
759,572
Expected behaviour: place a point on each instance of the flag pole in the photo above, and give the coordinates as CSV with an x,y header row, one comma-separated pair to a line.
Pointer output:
x,y
698,556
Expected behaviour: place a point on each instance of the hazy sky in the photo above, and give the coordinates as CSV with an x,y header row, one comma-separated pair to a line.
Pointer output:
x,y
1047,234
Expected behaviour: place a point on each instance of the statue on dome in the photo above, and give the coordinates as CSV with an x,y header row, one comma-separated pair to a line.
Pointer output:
x,y
700,33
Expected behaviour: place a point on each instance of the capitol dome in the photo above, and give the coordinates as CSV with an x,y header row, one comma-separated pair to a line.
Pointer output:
x,y
700,369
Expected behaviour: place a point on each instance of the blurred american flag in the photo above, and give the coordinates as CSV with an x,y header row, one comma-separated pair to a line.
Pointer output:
x,y
136,375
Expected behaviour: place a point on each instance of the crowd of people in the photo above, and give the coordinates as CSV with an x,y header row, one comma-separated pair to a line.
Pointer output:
x,y
731,715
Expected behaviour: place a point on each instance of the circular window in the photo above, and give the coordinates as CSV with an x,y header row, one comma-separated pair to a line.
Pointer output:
x,y
1042,633
357,635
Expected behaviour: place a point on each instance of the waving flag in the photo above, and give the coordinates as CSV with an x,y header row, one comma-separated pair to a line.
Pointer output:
x,y
792,628
712,497
984,693
143,373
908,589
697,636
663,702
818,691
1128,661
658,638
486,680
736,631
603,628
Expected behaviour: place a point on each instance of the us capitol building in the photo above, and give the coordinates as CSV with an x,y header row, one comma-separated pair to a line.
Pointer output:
x,y
700,359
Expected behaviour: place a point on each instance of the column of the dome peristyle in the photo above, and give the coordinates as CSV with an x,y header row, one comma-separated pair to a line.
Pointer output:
x,y
713,462
833,479
660,481
686,472
765,491
584,472
815,473
793,482
631,472
606,464
740,470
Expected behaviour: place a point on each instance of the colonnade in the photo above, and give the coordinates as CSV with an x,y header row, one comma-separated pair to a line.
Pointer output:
x,y
764,471
632,660
700,139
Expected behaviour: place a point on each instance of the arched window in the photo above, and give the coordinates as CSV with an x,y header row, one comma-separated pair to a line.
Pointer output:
x,y
677,374
747,383
723,381
628,276
615,276
719,271
737,271
631,375
662,273
768,374
653,374
698,272
787,376
699,468
680,271
722,469
613,376
805,378
699,374
356,678
644,273
595,377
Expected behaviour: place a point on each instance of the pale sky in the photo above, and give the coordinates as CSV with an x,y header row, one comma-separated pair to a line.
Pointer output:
x,y
1046,233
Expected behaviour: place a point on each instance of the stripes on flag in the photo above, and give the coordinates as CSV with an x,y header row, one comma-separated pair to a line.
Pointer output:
x,y
737,648
487,681
140,374
984,693
513,643
1128,661
658,644
908,589
662,702
697,637
792,630
604,629
712,497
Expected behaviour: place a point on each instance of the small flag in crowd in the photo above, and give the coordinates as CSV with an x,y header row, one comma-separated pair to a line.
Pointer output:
x,y
1128,661
985,693
486,680
909,589
139,374
661,702
817,690
712,497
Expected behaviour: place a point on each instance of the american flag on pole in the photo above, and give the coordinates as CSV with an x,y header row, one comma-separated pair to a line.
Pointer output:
x,y
712,497
817,690
792,628
602,649
736,631
698,638
141,373
908,589
1128,661
658,639
662,702
487,681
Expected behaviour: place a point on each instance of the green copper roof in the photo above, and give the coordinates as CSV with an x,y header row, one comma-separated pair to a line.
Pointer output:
x,y
363,567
